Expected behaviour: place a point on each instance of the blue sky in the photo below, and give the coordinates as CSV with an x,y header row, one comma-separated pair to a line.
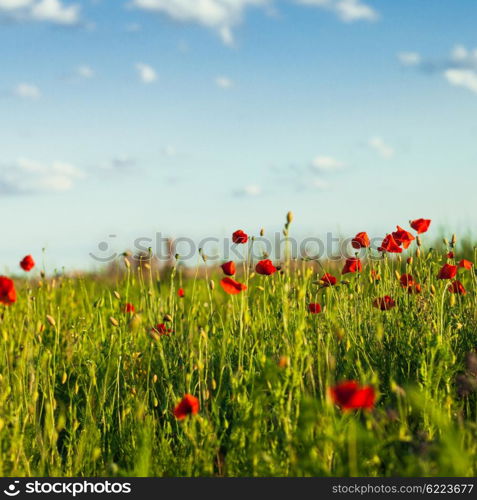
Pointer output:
x,y
198,117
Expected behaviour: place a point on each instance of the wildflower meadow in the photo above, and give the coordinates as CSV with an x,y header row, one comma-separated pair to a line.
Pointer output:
x,y
257,367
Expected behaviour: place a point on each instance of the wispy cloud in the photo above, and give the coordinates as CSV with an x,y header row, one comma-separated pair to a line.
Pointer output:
x,y
26,91
348,11
147,74
84,71
224,82
383,149
26,176
459,68
250,191
409,58
51,11
327,163
223,16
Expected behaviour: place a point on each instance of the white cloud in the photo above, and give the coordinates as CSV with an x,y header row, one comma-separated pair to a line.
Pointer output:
x,y
169,151
347,10
320,184
147,74
459,68
11,5
409,58
27,91
54,11
327,163
465,78
250,190
221,16
84,71
224,82
383,149
133,27
26,176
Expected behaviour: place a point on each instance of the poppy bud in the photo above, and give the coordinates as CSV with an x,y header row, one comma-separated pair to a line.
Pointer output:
x,y
262,231
154,379
116,294
418,253
289,217
453,240
445,241
113,321
127,263
433,290
284,362
409,260
167,318
418,241
211,284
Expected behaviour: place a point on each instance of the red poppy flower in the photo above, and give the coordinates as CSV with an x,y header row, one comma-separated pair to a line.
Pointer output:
x,y
361,240
239,237
161,329
265,267
314,308
328,280
450,255
8,294
414,288
350,395
420,225
403,237
228,268
27,263
231,286
457,287
352,265
129,308
466,264
447,272
180,292
406,280
390,245
188,405
384,303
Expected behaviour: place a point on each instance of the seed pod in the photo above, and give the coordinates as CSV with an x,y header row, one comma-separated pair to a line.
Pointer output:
x,y
262,231
289,217
211,284
51,320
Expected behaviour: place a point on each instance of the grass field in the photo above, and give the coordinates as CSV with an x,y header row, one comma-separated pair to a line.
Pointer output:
x,y
88,389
